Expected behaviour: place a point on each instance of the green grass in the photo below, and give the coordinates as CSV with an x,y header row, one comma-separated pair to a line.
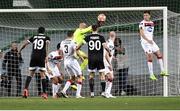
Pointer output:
x,y
121,103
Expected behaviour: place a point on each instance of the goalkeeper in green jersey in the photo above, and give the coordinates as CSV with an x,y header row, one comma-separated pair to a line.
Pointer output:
x,y
79,36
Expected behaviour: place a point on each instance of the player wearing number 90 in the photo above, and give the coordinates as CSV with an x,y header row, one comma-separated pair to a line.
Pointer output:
x,y
96,45
39,52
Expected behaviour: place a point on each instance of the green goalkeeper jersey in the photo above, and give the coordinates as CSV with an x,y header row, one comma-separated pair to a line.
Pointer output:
x,y
79,34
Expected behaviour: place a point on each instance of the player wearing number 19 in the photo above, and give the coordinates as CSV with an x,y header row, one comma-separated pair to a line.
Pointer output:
x,y
39,52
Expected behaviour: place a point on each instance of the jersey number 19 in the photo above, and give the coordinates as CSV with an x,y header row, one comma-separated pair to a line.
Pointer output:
x,y
38,44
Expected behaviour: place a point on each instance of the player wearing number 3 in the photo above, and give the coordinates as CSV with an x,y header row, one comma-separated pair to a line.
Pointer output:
x,y
40,44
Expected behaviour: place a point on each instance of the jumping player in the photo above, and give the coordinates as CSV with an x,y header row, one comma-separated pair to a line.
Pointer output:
x,y
146,28
96,44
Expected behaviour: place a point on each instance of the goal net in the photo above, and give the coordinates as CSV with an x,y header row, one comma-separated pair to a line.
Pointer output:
x,y
132,79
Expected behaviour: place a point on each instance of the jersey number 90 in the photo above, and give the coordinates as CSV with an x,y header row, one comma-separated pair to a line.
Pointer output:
x,y
94,45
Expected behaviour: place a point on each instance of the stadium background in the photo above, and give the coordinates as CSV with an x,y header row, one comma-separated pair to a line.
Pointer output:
x,y
140,80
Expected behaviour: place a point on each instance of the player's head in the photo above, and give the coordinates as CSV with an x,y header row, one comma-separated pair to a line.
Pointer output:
x,y
14,46
70,34
82,25
147,15
94,28
117,42
41,30
112,35
58,46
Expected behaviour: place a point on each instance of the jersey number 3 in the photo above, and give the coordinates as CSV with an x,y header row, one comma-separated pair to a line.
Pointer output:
x,y
38,44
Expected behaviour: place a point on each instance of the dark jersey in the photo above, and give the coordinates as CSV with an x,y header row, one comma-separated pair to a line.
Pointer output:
x,y
39,45
95,45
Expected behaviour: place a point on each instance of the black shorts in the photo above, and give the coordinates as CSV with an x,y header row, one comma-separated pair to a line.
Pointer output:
x,y
95,63
37,62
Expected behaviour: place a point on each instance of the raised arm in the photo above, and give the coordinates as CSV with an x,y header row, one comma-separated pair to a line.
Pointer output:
x,y
23,46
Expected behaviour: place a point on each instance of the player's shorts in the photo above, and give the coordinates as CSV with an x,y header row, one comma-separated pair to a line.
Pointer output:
x,y
107,70
72,67
37,63
55,72
150,48
95,64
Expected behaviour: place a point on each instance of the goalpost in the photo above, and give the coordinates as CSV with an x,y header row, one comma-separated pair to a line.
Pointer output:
x,y
19,24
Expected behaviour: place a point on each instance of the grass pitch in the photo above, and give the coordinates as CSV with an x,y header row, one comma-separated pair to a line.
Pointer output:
x,y
98,103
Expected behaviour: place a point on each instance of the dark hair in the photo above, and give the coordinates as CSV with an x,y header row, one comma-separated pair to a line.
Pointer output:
x,y
70,33
94,27
147,11
13,42
58,46
117,40
41,30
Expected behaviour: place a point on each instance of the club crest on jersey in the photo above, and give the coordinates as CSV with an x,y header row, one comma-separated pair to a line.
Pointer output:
x,y
149,29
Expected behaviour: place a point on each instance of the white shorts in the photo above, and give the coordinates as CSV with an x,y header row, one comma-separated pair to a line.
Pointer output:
x,y
55,72
150,48
107,70
72,67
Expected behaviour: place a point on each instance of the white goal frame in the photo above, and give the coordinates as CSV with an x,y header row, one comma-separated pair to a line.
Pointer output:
x,y
165,26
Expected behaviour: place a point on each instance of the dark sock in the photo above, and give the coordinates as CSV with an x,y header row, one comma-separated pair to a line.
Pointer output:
x,y
28,80
103,85
44,85
91,84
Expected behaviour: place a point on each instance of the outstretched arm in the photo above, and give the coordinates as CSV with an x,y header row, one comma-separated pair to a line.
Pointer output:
x,y
23,46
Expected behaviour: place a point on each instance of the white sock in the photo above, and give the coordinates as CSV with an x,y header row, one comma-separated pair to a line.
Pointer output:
x,y
107,85
92,93
57,88
161,64
109,88
150,66
54,87
67,85
79,86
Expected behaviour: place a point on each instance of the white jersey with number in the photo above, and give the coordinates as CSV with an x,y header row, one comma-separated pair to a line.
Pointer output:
x,y
71,65
148,27
53,59
68,47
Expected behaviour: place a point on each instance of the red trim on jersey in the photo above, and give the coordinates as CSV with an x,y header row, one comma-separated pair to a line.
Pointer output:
x,y
149,24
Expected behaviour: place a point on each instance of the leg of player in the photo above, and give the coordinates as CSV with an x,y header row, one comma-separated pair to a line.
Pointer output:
x,y
103,83
67,85
84,59
109,79
159,57
79,87
56,84
44,84
91,83
150,66
28,80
